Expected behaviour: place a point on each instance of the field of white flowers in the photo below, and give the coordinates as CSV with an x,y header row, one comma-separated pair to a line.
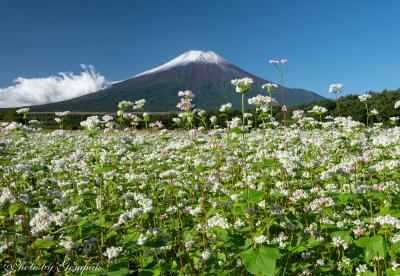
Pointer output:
x,y
319,196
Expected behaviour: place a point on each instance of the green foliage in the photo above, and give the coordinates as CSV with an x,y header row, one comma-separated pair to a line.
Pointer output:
x,y
374,247
261,261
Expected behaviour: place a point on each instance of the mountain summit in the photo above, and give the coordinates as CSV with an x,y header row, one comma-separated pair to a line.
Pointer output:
x,y
193,56
204,72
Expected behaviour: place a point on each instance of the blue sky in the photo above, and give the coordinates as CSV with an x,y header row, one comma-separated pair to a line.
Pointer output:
x,y
353,42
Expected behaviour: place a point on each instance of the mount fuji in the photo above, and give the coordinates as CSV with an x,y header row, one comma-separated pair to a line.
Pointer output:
x,y
205,73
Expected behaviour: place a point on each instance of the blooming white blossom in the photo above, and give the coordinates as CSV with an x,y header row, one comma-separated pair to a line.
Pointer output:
x,y
107,118
298,114
91,123
139,105
41,221
374,112
219,221
186,94
205,255
62,114
23,110
234,123
260,239
112,252
213,119
146,117
262,102
365,97
335,88
269,86
225,108
124,105
339,242
186,100
318,110
242,85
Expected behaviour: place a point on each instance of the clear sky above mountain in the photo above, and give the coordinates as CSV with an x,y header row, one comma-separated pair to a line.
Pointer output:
x,y
354,42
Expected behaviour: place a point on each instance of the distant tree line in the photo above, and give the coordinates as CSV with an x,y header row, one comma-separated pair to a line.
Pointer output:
x,y
350,105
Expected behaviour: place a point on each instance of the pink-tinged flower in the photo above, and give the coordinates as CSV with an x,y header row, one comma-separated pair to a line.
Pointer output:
x,y
284,60
186,94
273,61
157,124
284,108
351,169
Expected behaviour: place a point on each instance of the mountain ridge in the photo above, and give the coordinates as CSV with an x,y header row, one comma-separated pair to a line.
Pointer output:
x,y
207,74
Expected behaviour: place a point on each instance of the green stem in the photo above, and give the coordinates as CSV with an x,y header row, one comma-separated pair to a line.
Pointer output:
x,y
243,112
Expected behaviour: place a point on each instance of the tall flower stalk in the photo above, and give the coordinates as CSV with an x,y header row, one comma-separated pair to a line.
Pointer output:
x,y
225,109
24,111
61,118
122,106
280,66
269,87
186,105
336,88
242,86
364,99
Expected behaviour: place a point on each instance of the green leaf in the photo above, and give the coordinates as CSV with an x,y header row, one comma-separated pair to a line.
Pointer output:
x,y
83,222
43,244
253,196
111,234
211,212
269,163
119,269
221,233
103,169
239,209
261,261
13,209
131,238
191,235
391,272
373,246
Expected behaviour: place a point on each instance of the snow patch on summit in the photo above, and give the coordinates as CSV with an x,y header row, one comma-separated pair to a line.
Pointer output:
x,y
194,56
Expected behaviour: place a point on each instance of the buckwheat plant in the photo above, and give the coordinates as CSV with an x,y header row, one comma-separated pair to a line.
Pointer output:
x,y
60,119
262,104
146,119
186,106
280,66
224,110
122,107
269,88
242,86
336,88
24,111
365,99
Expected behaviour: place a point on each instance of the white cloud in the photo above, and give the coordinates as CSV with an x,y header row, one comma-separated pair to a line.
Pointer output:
x,y
64,86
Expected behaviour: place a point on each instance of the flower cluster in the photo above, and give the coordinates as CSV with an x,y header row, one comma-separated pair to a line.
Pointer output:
x,y
242,85
269,87
335,88
365,97
185,103
262,102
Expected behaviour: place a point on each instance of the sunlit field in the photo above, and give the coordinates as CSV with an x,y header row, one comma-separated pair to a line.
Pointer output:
x,y
314,195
